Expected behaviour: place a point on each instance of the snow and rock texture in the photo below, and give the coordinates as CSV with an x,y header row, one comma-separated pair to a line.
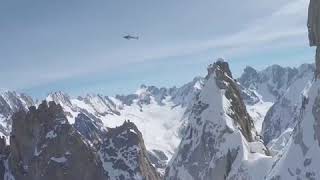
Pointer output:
x,y
269,83
300,158
159,113
11,102
220,141
124,155
277,87
283,114
266,87
91,129
217,118
43,145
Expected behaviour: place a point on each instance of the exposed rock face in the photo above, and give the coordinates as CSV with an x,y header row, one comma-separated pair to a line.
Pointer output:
x,y
249,77
238,110
314,30
124,155
4,152
212,146
91,130
44,145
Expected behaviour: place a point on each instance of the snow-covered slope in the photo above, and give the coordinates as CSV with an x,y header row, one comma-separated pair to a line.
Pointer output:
x,y
45,146
274,85
269,83
124,155
220,141
219,120
300,158
283,114
159,113
265,86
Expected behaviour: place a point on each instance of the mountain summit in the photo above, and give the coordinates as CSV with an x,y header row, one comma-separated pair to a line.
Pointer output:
x,y
220,138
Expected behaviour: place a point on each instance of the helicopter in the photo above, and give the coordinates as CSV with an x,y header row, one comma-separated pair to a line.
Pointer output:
x,y
129,37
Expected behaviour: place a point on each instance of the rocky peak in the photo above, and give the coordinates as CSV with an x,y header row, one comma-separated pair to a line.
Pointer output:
x,y
250,71
124,154
249,77
11,102
218,125
17,101
238,110
270,83
101,104
44,145
179,96
220,67
60,98
5,109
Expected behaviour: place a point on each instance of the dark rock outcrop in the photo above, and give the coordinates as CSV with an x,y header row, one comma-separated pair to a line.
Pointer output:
x,y
4,152
314,30
43,145
124,154
249,77
238,109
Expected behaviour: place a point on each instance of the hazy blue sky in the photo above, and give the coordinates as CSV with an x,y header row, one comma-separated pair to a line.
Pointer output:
x,y
77,46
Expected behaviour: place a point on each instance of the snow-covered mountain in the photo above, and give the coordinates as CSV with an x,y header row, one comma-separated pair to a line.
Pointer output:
x,y
276,116
44,145
218,110
11,102
159,113
283,114
263,125
300,158
269,83
220,141
124,154
274,85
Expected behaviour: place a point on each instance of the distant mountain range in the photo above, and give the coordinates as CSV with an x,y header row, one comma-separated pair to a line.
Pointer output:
x,y
213,126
